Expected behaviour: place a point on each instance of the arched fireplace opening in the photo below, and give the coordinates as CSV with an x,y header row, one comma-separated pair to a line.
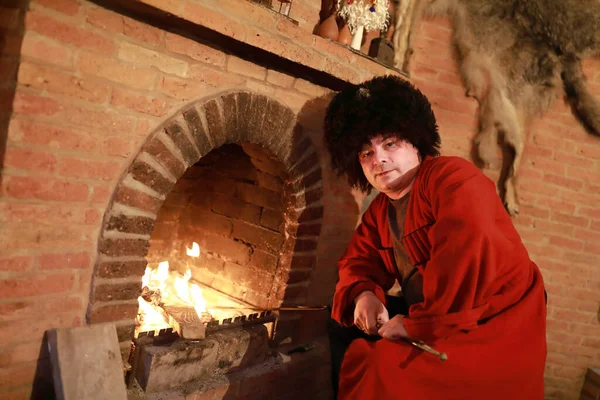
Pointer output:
x,y
228,192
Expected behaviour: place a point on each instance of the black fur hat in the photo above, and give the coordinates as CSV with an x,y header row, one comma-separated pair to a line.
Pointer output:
x,y
382,105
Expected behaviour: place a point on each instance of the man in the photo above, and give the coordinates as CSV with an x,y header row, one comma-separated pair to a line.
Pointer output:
x,y
438,228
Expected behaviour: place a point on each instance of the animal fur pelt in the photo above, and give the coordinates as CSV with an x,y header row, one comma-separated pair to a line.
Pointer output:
x,y
514,57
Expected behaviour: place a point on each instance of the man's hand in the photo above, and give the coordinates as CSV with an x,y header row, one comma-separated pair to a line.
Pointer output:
x,y
369,312
393,329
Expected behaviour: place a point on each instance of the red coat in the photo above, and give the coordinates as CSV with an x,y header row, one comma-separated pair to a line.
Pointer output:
x,y
483,302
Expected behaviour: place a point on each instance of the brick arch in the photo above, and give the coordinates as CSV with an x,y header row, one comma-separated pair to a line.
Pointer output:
x,y
195,130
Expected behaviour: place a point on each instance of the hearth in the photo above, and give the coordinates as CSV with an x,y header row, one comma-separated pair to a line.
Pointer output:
x,y
214,270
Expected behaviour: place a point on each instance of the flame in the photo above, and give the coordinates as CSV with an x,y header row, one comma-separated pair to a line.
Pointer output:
x,y
182,286
152,318
169,288
197,299
194,251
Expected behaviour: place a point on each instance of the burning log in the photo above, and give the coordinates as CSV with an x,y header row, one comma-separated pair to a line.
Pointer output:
x,y
185,321
153,297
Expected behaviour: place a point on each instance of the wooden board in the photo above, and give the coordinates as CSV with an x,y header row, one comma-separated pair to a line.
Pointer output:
x,y
86,363
185,322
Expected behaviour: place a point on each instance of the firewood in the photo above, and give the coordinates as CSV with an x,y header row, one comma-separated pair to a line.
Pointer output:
x,y
185,321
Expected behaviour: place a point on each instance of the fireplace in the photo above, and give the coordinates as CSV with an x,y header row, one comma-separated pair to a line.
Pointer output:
x,y
219,217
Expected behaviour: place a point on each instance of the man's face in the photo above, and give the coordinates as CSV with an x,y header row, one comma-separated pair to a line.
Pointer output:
x,y
390,165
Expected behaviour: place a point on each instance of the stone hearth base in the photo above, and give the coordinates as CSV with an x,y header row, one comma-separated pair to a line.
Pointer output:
x,y
298,376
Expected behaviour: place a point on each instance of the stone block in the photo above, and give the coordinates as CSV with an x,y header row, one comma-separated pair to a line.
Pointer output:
x,y
86,363
165,367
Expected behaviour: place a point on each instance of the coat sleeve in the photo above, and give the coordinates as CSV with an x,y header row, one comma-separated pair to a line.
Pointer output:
x,y
361,267
468,238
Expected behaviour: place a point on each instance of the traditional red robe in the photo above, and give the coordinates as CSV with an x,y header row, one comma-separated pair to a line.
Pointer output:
x,y
484,302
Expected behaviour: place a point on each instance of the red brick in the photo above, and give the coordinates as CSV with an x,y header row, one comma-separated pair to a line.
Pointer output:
x,y
145,57
552,142
214,77
67,33
136,199
259,87
197,51
80,168
34,328
306,14
174,7
310,88
292,31
590,212
581,258
122,269
150,105
21,353
182,89
113,313
573,316
123,247
42,134
589,151
105,19
215,20
563,181
53,81
570,219
16,263
247,68
49,213
116,71
562,205
280,78
142,31
63,304
65,261
258,236
45,189
256,195
99,120
31,160
70,7
592,248
566,243
294,100
586,175
235,251
34,46
35,105
36,285
101,194
284,48
333,49
18,375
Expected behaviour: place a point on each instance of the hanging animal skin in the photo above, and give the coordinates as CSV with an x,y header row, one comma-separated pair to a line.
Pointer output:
x,y
514,57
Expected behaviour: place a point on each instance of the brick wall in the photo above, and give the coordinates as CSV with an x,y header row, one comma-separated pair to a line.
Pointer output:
x,y
93,87
559,191
232,204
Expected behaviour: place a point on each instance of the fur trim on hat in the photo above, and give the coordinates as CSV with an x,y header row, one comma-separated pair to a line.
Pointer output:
x,y
382,105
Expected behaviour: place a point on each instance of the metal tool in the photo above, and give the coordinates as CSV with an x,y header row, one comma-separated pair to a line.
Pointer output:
x,y
423,346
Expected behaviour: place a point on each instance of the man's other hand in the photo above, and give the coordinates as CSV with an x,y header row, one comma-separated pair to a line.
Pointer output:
x,y
393,329
369,312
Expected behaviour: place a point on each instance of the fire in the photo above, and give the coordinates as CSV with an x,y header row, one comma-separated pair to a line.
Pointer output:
x,y
194,251
161,286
